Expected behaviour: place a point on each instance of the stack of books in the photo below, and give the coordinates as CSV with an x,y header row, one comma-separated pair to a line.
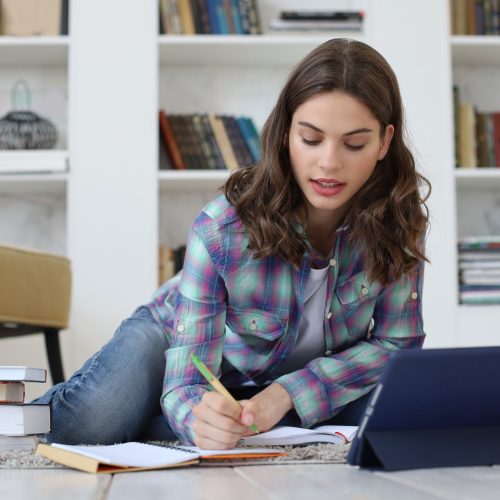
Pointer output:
x,y
209,17
479,270
21,422
477,135
206,141
314,20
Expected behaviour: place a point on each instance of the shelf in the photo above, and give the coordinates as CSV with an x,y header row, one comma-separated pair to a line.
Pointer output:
x,y
37,51
33,184
241,49
191,180
486,178
475,50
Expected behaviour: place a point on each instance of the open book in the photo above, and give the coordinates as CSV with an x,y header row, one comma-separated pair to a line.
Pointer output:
x,y
128,457
284,435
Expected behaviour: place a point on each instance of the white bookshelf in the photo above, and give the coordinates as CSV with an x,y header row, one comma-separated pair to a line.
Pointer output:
x,y
476,69
114,207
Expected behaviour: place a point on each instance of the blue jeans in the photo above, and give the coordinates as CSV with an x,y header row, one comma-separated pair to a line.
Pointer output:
x,y
115,396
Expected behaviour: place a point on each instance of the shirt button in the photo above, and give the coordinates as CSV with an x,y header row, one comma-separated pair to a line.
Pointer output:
x,y
181,328
329,315
328,353
253,326
364,290
333,262
414,295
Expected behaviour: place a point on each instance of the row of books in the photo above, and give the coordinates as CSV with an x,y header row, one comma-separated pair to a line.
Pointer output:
x,y
314,20
209,17
207,141
479,270
20,422
475,17
34,17
477,135
170,262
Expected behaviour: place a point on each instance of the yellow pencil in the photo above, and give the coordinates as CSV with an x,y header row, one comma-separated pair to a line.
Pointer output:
x,y
215,383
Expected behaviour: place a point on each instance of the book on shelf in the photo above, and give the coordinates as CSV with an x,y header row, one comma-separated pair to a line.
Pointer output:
x,y
23,419
17,443
22,374
209,17
170,261
132,456
205,141
11,392
34,17
475,17
287,435
322,15
33,161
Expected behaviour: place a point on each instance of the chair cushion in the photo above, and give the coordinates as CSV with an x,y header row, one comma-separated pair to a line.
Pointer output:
x,y
35,287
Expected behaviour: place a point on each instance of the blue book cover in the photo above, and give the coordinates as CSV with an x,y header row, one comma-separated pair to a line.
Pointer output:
x,y
250,135
221,18
235,10
212,15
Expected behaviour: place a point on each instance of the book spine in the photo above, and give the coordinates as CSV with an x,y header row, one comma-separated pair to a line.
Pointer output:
x,y
228,11
210,135
243,14
250,140
171,142
186,15
208,159
496,137
222,21
235,13
243,155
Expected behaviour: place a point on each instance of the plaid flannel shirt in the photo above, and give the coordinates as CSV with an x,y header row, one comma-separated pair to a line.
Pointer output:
x,y
241,315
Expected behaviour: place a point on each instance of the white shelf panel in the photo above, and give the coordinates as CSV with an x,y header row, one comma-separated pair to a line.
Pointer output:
x,y
487,178
475,50
33,184
478,325
191,180
241,49
38,51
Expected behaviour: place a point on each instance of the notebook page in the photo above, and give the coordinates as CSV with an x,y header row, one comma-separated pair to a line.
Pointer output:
x,y
132,454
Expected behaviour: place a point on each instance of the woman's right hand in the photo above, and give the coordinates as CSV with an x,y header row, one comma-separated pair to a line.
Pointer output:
x,y
217,424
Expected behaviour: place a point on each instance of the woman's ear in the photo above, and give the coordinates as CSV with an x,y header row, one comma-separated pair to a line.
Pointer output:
x,y
386,142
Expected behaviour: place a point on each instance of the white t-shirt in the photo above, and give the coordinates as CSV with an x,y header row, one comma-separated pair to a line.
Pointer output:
x,y
311,340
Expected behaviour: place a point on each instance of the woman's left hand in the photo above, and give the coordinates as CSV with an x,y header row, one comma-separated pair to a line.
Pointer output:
x,y
266,408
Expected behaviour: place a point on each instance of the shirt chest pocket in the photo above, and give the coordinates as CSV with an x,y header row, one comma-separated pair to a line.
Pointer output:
x,y
256,323
357,290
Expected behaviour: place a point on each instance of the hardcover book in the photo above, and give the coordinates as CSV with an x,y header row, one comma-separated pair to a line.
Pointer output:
x,y
128,457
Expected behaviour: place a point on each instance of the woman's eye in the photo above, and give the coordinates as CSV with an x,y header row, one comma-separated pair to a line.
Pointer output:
x,y
309,142
354,148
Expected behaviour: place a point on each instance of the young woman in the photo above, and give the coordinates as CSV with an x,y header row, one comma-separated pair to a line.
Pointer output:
x,y
298,282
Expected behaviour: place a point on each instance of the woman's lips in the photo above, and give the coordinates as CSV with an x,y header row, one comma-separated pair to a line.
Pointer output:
x,y
327,187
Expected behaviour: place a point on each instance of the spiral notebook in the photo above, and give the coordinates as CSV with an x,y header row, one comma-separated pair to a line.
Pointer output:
x,y
129,457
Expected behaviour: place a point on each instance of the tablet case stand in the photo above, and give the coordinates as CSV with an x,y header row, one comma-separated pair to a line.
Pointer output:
x,y
422,448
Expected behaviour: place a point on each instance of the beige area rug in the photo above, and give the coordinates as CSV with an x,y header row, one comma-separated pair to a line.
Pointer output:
x,y
320,453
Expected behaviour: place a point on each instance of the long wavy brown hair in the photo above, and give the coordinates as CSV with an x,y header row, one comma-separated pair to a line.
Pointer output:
x,y
388,215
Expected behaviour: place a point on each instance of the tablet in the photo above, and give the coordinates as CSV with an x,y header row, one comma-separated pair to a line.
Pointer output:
x,y
432,408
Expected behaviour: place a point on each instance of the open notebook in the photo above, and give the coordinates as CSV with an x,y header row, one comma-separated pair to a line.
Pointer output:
x,y
128,457
285,435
